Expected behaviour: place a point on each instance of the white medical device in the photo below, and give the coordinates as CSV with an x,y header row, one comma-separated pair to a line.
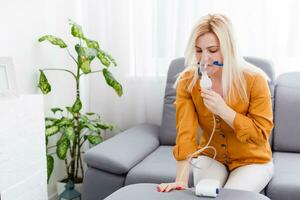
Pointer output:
x,y
205,81
208,188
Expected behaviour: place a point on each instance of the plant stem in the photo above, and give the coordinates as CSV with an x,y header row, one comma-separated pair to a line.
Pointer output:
x,y
66,163
91,72
81,167
75,146
71,55
77,160
56,69
50,147
82,143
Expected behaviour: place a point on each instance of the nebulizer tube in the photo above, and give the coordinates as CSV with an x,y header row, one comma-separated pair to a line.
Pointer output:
x,y
205,82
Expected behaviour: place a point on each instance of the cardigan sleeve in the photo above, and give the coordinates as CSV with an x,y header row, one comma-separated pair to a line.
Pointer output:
x,y
257,124
186,122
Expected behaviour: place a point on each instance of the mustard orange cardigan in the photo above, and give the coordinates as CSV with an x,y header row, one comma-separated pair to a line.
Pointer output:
x,y
247,143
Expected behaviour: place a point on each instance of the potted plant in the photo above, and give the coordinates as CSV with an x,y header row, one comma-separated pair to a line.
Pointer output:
x,y
72,128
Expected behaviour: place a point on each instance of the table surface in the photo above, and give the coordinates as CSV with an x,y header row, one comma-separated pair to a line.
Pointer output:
x,y
148,191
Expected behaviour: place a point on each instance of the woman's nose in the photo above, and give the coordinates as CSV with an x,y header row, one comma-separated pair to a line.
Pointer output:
x,y
205,58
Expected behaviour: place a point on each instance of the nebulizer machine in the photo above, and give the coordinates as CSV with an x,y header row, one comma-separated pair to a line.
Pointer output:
x,y
205,187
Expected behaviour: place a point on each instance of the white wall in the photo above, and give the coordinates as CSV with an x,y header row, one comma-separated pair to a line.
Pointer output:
x,y
22,23
22,149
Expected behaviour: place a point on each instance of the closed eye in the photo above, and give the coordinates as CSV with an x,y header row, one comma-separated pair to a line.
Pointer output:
x,y
211,51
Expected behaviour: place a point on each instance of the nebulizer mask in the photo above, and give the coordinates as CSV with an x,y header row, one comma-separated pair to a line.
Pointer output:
x,y
205,187
205,81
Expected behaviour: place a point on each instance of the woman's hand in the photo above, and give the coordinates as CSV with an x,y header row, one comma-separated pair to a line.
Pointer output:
x,y
213,101
167,187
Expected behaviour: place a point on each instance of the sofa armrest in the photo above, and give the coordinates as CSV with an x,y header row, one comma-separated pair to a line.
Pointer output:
x,y
123,151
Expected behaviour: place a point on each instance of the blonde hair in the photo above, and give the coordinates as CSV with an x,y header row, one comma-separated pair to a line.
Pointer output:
x,y
234,66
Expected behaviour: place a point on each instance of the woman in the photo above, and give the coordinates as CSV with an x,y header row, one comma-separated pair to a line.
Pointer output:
x,y
239,102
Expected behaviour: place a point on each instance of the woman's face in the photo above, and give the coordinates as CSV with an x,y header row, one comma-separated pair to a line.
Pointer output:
x,y
207,51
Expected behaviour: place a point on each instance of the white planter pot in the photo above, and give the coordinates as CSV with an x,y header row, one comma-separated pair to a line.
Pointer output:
x,y
60,186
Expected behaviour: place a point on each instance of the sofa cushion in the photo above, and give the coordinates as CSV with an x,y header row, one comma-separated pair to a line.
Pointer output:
x,y
263,64
123,151
167,134
285,183
287,113
158,167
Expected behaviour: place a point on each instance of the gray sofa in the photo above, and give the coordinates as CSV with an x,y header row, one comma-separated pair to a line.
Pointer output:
x,y
143,154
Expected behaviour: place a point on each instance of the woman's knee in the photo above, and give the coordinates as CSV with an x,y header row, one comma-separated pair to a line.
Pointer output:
x,y
206,167
253,177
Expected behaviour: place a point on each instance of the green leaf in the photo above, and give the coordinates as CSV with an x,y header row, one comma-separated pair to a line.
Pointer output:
x,y
70,134
44,85
69,109
50,166
111,59
62,147
46,140
76,30
52,119
91,127
94,139
111,81
52,130
102,53
84,118
85,66
106,126
85,56
63,122
77,106
92,43
103,59
49,122
88,53
53,40
90,113
54,110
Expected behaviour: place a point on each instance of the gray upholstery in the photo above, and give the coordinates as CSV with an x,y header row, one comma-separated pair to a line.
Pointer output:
x,y
285,183
263,64
158,167
168,128
148,192
143,154
287,113
120,153
99,184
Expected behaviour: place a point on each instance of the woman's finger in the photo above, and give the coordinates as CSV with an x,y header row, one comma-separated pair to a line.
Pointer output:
x,y
209,105
210,100
208,92
164,187
168,188
160,187
206,96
